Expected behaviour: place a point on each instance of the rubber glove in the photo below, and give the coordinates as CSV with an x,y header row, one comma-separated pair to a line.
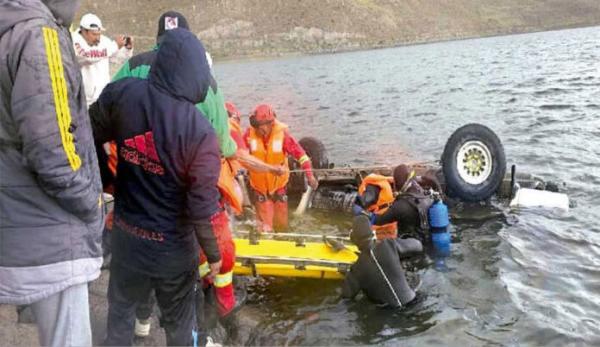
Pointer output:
x,y
357,210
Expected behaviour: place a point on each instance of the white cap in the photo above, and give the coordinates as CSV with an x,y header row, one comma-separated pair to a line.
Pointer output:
x,y
90,21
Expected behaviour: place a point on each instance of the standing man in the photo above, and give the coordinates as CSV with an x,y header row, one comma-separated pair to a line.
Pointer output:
x,y
166,196
95,52
213,108
270,141
50,192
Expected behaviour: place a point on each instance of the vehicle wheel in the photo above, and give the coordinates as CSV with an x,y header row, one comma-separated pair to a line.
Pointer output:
x,y
473,163
316,152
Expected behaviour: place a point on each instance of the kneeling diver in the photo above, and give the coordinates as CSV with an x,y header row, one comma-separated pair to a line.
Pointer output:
x,y
378,271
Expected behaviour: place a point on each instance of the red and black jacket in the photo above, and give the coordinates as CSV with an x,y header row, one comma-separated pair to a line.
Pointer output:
x,y
169,160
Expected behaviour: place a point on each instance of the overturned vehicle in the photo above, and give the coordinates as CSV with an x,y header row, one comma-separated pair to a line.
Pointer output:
x,y
472,169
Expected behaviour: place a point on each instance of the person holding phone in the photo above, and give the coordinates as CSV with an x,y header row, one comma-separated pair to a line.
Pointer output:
x,y
95,52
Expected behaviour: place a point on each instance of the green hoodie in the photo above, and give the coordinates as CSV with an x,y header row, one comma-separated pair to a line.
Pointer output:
x,y
213,106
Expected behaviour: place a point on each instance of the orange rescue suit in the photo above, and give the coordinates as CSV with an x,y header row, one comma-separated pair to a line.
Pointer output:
x,y
229,188
272,153
384,201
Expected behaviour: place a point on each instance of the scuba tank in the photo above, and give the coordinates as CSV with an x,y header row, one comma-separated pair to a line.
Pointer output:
x,y
438,224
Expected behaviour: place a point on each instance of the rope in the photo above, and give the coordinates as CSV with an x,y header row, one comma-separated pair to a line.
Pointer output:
x,y
367,168
385,278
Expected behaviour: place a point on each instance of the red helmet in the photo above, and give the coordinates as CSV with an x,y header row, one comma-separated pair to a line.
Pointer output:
x,y
232,111
262,114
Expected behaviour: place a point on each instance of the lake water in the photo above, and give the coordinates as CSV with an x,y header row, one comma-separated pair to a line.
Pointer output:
x,y
516,278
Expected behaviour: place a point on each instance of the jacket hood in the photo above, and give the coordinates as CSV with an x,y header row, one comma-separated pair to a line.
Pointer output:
x,y
16,11
180,67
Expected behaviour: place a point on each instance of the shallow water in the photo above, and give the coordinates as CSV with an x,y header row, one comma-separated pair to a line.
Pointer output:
x,y
514,277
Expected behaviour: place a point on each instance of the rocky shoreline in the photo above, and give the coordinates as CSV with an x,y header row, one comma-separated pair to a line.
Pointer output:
x,y
237,29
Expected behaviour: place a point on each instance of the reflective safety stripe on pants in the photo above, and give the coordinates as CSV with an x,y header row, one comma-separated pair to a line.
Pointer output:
x,y
204,269
223,280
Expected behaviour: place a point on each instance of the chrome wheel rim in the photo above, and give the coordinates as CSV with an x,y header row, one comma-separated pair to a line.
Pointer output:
x,y
474,162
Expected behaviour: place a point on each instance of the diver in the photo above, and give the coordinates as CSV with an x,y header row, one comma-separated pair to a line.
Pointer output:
x,y
403,212
378,272
416,211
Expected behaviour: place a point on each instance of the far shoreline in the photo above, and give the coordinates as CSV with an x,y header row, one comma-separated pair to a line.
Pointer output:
x,y
366,47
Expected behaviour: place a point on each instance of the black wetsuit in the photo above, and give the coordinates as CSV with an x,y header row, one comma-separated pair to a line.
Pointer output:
x,y
409,210
402,212
378,272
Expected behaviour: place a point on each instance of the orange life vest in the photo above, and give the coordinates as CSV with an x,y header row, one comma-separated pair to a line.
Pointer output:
x,y
112,157
268,183
384,201
230,190
235,126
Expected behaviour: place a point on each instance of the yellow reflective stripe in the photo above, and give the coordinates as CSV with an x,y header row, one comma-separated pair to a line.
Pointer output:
x,y
303,159
61,99
204,269
222,280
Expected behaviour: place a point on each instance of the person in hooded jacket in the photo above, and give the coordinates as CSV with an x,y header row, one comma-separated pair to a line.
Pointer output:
x,y
50,201
166,196
378,271
213,108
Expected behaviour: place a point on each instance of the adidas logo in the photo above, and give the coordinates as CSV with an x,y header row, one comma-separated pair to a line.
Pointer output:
x,y
141,151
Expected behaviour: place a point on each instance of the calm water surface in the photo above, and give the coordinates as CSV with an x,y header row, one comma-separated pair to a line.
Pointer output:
x,y
515,278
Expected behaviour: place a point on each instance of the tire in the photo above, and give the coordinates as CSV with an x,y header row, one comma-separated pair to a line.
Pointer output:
x,y
316,152
473,163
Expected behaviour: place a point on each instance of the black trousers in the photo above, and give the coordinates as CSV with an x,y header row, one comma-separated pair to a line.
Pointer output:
x,y
205,323
176,299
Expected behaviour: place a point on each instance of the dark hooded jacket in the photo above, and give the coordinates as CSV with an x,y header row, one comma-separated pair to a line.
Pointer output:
x,y
50,209
168,163
213,106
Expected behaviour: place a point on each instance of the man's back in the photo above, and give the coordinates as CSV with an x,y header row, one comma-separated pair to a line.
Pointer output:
x,y
50,208
168,161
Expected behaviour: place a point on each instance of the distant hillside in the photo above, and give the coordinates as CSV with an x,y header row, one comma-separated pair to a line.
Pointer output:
x,y
241,28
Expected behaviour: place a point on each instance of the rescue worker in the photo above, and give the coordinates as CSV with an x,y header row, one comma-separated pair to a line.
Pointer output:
x,y
375,193
270,141
378,271
166,197
219,292
410,206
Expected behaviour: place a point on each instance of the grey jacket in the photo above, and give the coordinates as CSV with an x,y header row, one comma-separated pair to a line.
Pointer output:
x,y
51,215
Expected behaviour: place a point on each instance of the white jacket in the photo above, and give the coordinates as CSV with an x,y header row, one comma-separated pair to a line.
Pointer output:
x,y
94,62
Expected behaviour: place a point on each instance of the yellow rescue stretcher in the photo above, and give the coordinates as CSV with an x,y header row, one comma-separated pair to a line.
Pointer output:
x,y
293,255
